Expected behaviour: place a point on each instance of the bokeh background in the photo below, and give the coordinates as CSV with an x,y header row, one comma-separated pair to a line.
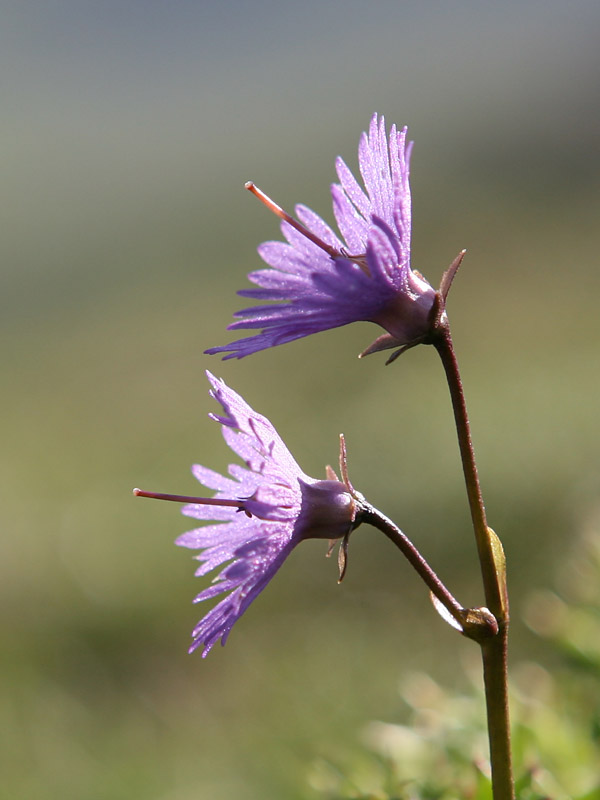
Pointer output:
x,y
128,130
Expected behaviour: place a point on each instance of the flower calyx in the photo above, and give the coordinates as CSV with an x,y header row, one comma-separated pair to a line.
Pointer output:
x,y
438,319
359,506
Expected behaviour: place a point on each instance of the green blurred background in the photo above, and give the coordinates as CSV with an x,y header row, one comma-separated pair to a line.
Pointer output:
x,y
128,130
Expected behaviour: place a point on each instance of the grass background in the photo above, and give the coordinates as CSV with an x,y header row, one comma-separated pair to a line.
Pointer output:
x,y
128,131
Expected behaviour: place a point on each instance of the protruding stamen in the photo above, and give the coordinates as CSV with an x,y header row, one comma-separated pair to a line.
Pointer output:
x,y
278,211
182,498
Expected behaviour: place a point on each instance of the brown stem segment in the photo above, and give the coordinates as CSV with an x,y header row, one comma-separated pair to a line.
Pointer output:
x,y
494,595
494,650
372,516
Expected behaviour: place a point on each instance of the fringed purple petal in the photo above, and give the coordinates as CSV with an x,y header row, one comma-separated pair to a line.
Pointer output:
x,y
316,225
383,256
374,167
211,479
202,511
288,259
307,252
278,283
353,189
262,449
253,577
240,526
262,341
353,226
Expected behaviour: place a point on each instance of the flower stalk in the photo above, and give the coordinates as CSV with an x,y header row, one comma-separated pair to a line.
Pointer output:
x,y
494,591
494,650
494,653
373,517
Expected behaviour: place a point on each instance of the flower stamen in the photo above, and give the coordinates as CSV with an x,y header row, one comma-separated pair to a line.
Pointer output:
x,y
279,212
203,501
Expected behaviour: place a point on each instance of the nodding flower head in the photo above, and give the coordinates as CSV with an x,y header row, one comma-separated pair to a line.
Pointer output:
x,y
261,511
320,281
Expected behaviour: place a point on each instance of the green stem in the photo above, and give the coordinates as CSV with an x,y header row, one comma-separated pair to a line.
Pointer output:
x,y
494,653
493,650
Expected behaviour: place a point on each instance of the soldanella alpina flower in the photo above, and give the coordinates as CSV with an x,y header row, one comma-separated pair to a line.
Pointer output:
x,y
262,510
320,281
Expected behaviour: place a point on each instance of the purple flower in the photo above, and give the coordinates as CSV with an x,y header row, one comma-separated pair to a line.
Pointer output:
x,y
262,511
320,281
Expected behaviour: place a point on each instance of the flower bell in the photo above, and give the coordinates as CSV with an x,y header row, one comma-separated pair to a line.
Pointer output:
x,y
319,281
262,511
